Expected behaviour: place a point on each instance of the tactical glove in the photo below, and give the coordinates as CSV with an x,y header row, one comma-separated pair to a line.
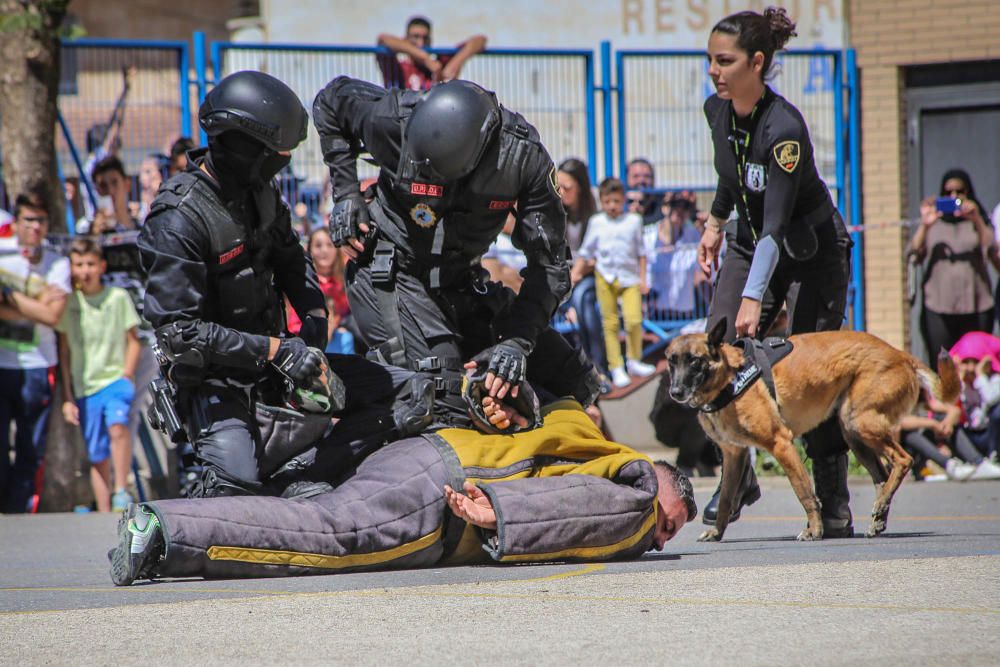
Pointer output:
x,y
297,362
508,360
348,214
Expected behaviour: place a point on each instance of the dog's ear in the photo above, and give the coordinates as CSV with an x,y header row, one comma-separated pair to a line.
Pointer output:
x,y
717,334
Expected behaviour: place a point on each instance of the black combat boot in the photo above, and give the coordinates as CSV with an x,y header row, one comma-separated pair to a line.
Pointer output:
x,y
747,494
830,475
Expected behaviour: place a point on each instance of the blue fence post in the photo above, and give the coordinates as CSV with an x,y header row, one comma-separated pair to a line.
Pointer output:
x,y
620,89
185,91
591,120
84,178
857,252
839,87
199,71
609,147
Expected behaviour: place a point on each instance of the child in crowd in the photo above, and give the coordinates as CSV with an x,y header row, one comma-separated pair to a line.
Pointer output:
x,y
614,246
100,350
329,264
977,356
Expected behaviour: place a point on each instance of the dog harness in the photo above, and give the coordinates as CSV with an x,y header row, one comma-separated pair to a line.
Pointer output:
x,y
758,358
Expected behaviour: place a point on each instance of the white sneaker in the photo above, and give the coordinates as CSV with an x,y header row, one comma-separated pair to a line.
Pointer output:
x,y
639,369
986,470
959,470
620,378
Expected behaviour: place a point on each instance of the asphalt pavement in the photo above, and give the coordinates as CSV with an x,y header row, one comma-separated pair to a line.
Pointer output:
x,y
926,592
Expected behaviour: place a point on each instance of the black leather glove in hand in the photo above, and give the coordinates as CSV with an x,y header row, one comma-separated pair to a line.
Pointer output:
x,y
313,331
508,361
297,362
348,214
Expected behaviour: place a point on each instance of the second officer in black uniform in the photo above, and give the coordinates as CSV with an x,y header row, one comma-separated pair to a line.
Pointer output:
x,y
789,242
453,163
219,252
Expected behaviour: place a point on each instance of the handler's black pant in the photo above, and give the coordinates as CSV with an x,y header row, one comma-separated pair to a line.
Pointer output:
x,y
816,292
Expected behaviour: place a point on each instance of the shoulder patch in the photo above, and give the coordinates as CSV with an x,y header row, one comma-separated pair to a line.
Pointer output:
x,y
786,154
554,182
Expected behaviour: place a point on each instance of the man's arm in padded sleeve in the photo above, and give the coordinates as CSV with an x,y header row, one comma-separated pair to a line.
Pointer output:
x,y
574,516
779,202
172,253
541,234
342,114
294,274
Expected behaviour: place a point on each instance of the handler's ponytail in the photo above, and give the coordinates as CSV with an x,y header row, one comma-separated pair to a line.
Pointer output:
x,y
767,32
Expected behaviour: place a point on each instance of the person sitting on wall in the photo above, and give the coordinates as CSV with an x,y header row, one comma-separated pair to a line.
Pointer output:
x,y
411,67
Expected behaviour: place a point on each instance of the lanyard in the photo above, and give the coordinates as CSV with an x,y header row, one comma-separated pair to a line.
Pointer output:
x,y
741,148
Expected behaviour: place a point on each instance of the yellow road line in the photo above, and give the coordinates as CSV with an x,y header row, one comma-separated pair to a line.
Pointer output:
x,y
984,517
586,569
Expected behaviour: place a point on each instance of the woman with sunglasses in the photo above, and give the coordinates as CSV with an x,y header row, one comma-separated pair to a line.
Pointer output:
x,y
956,241
788,234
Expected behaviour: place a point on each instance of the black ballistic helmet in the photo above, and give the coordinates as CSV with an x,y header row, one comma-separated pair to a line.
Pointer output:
x,y
450,129
257,105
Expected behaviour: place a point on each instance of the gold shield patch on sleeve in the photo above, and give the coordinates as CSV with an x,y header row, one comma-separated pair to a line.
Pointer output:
x,y
786,153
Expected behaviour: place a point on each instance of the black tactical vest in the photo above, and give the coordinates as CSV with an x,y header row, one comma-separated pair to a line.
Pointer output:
x,y
241,293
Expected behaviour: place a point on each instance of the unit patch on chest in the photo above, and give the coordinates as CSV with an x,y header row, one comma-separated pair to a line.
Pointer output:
x,y
756,178
423,215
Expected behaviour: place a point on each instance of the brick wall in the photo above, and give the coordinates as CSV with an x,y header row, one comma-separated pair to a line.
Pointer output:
x,y
890,34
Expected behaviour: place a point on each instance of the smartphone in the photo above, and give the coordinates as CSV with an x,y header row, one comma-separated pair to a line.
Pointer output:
x,y
948,205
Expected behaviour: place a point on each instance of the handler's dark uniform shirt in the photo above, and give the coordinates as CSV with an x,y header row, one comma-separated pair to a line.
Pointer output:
x,y
352,116
783,189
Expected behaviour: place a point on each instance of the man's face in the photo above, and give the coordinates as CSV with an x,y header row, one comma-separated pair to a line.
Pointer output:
x,y
671,513
32,224
639,175
419,35
112,184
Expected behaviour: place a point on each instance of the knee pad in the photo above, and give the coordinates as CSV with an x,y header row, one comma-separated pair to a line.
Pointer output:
x,y
217,484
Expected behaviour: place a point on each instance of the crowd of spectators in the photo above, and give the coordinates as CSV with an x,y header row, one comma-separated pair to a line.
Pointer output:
x,y
634,263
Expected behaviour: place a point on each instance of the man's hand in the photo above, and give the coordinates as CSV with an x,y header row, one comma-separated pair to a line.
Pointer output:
x,y
709,247
501,415
434,67
297,362
748,318
474,508
71,413
350,226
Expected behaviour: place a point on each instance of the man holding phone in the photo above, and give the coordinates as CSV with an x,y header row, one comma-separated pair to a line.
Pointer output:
x,y
956,240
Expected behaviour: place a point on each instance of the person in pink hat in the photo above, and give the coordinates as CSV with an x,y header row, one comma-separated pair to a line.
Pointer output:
x,y
978,357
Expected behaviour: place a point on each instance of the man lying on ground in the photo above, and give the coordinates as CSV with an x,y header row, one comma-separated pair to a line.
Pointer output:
x,y
557,492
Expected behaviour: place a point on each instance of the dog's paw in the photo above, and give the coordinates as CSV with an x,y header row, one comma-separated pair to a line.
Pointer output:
x,y
876,528
810,534
710,535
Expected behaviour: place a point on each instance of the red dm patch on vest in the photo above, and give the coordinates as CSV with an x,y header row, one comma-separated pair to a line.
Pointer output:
x,y
426,189
232,254
501,204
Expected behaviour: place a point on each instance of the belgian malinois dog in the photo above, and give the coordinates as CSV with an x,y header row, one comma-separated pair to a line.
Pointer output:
x,y
868,384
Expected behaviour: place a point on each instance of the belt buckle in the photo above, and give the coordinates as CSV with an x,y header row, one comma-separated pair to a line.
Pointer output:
x,y
439,385
431,364
383,263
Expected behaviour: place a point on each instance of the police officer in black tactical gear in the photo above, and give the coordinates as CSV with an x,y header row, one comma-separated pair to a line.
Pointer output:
x,y
220,254
453,163
789,243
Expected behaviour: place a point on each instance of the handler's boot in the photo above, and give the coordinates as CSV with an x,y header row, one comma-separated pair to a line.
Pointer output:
x,y
830,475
140,546
747,494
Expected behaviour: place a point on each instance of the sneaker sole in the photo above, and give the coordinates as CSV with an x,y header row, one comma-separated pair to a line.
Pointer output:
x,y
121,556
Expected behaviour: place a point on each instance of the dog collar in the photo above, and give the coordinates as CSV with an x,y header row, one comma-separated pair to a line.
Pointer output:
x,y
745,376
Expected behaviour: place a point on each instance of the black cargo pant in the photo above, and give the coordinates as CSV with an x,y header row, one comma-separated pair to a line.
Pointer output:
x,y
455,324
816,292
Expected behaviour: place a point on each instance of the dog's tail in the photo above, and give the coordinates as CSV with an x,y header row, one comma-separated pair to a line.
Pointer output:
x,y
945,385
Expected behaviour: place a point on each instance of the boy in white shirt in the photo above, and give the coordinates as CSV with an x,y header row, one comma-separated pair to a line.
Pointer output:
x,y
614,246
35,282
